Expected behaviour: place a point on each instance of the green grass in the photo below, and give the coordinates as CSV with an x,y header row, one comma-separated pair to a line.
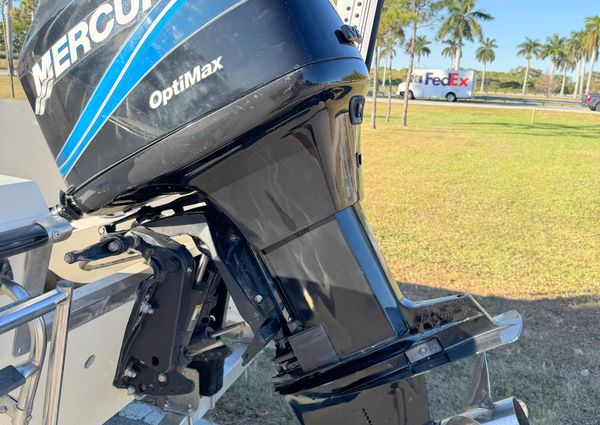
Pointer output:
x,y
478,200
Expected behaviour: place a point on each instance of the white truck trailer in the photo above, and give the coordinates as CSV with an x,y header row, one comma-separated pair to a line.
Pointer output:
x,y
439,84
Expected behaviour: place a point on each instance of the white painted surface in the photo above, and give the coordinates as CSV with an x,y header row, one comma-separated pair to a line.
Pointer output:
x,y
88,396
22,203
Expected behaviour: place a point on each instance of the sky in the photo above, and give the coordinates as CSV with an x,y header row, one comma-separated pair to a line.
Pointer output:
x,y
514,20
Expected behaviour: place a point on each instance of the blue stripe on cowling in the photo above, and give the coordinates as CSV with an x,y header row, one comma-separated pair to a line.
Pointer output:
x,y
93,108
168,24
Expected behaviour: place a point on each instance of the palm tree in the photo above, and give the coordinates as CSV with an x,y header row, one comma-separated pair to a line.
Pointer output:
x,y
386,53
575,43
416,13
528,49
591,41
389,51
566,62
375,86
389,43
421,48
450,50
553,49
462,23
390,26
486,54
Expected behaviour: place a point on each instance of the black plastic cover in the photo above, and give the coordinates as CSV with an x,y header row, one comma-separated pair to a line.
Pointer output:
x,y
108,78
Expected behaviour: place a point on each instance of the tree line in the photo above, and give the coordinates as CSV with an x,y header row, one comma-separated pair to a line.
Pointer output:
x,y
577,51
21,17
458,22
13,30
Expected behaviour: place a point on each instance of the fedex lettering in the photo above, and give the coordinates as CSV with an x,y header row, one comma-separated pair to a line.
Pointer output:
x,y
453,80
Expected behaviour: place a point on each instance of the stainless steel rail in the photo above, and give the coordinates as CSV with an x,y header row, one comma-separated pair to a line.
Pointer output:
x,y
30,311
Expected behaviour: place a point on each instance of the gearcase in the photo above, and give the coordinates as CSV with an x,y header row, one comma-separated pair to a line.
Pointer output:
x,y
223,141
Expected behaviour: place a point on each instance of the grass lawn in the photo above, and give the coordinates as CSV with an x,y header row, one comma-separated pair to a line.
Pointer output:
x,y
478,200
5,88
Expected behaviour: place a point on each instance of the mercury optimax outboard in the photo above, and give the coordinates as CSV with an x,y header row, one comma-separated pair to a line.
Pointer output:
x,y
236,124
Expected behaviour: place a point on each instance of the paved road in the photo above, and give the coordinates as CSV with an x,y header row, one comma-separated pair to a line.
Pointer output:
x,y
496,105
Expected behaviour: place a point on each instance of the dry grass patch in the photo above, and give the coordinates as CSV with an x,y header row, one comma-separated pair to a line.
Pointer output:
x,y
5,91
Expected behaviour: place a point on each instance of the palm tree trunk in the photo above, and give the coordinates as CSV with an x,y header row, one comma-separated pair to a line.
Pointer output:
x,y
578,80
582,78
526,77
390,66
458,56
385,67
390,88
564,82
411,62
589,81
8,43
375,89
483,78
551,82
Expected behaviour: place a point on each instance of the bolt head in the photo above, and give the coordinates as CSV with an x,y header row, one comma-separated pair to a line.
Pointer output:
x,y
3,410
258,299
129,373
162,378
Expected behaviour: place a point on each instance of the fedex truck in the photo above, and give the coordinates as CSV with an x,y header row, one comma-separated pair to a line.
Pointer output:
x,y
439,84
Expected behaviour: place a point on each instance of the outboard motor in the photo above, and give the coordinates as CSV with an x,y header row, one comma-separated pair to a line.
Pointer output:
x,y
236,123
